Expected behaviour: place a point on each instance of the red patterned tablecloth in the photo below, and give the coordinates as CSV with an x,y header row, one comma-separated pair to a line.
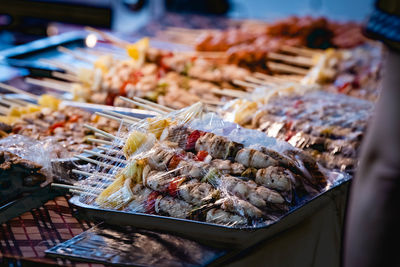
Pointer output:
x,y
23,240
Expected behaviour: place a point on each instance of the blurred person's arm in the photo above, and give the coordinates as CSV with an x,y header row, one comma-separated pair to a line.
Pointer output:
x,y
373,218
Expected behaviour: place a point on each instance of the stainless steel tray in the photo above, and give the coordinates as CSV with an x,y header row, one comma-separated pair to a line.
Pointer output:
x,y
209,233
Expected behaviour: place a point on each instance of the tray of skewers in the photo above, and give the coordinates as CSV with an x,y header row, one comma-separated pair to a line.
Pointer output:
x,y
194,174
38,140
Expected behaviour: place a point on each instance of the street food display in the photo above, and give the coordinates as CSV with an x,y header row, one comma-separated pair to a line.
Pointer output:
x,y
330,127
59,124
241,131
193,166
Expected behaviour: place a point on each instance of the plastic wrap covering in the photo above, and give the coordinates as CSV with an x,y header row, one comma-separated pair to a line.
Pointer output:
x,y
328,126
40,152
196,166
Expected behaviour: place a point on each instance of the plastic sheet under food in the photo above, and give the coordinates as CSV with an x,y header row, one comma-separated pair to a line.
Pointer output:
x,y
329,127
191,165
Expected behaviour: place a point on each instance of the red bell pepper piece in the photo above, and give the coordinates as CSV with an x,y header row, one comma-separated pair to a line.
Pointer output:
x,y
201,155
174,185
192,138
151,202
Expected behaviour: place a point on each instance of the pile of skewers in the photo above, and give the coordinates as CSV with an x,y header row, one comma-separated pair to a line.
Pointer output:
x,y
49,120
253,45
170,165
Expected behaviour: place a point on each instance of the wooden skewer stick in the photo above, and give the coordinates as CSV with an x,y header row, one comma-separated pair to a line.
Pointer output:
x,y
65,76
307,52
260,82
111,150
108,37
104,133
106,156
19,102
102,136
108,176
60,65
100,141
266,77
143,105
18,91
295,60
145,101
79,192
9,104
286,68
245,84
111,117
225,92
212,102
123,116
73,54
80,188
99,163
4,110
53,84
291,78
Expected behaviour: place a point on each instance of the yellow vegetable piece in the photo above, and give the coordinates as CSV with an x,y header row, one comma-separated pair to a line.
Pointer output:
x,y
108,198
86,75
134,141
139,48
134,170
157,126
103,63
245,111
33,108
49,101
9,119
15,111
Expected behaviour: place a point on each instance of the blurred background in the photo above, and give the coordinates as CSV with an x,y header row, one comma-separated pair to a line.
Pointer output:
x,y
22,21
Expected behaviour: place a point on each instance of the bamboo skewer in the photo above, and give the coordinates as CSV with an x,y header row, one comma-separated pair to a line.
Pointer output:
x,y
245,84
266,77
260,82
212,102
143,105
121,116
73,54
4,110
153,104
17,102
306,52
52,84
295,60
18,91
65,76
124,121
8,103
96,162
111,150
104,133
225,92
106,176
105,156
286,68
74,187
100,141
108,37
59,65
102,137
79,192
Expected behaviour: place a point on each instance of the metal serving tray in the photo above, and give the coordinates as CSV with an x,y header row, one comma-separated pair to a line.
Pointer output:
x,y
209,233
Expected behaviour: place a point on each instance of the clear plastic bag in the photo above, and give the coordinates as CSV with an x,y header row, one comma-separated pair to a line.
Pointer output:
x,y
197,166
328,126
